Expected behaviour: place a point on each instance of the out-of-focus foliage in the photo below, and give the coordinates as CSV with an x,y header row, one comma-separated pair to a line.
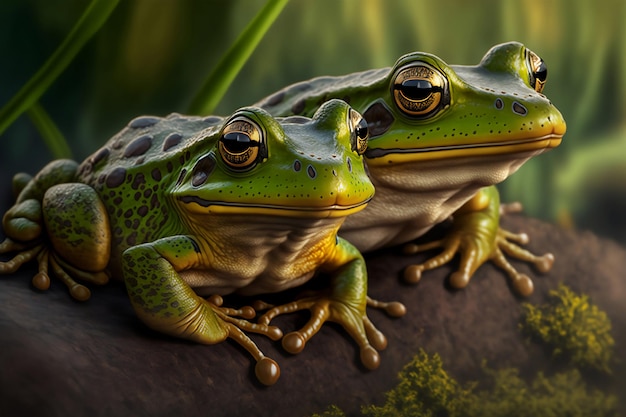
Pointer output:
x,y
573,328
152,57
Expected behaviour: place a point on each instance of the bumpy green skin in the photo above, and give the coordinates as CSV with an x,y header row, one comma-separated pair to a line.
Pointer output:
x,y
165,205
428,167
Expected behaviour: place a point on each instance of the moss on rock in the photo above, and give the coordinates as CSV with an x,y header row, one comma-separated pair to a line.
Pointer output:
x,y
427,390
573,327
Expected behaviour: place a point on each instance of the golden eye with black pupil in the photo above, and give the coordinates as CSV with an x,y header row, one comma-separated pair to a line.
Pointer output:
x,y
359,132
538,71
420,90
241,144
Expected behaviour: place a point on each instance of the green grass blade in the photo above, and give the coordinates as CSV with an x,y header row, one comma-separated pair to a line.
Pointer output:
x,y
90,22
51,135
231,63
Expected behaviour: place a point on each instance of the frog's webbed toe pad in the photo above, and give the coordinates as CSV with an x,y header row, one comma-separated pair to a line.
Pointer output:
x,y
323,309
267,371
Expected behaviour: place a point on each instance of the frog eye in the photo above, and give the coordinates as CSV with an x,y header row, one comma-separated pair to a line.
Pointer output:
x,y
359,133
538,71
241,143
419,90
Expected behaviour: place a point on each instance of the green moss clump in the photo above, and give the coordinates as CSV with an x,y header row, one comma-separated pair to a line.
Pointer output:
x,y
331,411
425,390
573,327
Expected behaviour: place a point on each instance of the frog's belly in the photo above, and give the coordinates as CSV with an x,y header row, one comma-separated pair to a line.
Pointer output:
x,y
412,198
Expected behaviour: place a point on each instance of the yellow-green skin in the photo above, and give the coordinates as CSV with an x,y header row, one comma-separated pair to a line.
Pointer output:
x,y
491,118
160,206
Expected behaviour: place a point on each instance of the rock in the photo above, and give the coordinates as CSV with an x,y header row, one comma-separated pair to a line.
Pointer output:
x,y
59,357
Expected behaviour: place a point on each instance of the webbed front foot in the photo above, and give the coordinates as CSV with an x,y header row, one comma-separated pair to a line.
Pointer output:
x,y
477,237
474,252
166,303
352,317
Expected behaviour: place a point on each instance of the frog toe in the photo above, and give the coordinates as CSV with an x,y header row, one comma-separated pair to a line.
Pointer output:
x,y
392,308
413,273
267,371
544,263
523,285
459,279
370,358
294,342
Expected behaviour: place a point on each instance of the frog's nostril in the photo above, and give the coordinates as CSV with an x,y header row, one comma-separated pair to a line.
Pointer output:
x,y
311,172
519,109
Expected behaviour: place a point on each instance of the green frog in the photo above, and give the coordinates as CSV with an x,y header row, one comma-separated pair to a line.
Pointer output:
x,y
441,137
187,207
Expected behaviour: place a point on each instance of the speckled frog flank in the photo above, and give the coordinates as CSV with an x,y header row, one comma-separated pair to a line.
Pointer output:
x,y
181,207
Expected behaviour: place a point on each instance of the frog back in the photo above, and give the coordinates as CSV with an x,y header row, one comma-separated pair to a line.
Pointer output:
x,y
304,98
134,171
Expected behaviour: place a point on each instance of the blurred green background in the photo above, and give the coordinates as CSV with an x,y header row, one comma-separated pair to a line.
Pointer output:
x,y
152,56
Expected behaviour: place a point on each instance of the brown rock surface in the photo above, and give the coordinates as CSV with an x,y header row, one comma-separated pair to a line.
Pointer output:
x,y
63,358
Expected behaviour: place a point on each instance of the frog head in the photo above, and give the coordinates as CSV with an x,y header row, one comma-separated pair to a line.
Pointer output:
x,y
256,164
427,110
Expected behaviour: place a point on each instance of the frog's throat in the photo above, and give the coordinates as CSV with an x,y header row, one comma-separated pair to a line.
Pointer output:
x,y
202,206
379,156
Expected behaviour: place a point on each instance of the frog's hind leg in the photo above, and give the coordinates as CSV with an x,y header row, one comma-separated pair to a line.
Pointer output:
x,y
64,226
79,234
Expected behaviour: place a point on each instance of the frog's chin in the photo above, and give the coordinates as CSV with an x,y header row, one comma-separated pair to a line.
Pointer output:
x,y
202,206
379,156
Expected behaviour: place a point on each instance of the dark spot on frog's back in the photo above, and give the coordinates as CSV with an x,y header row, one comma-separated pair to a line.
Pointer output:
x,y
116,177
172,140
138,146
298,107
138,181
101,155
211,120
143,121
274,99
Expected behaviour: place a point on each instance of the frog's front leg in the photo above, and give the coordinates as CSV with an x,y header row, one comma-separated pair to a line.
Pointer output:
x,y
164,302
345,303
476,235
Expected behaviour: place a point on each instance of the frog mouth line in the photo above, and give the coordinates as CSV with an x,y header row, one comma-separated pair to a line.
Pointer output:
x,y
220,207
549,141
